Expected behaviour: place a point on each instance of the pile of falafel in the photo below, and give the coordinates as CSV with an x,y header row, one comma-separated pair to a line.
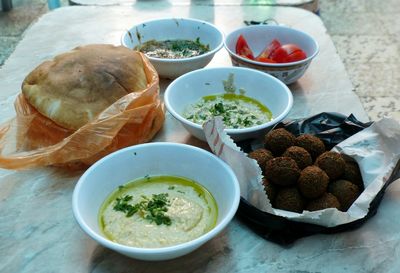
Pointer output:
x,y
299,174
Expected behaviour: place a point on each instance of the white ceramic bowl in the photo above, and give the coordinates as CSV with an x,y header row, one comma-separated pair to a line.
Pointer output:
x,y
161,158
259,36
191,87
172,29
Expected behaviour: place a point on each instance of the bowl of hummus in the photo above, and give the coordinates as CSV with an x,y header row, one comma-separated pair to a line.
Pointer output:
x,y
141,203
249,102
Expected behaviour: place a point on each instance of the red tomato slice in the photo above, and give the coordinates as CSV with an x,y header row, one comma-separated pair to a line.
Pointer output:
x,y
265,60
296,56
279,55
243,49
289,53
266,53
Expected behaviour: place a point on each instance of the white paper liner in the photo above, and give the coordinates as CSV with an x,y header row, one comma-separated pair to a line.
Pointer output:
x,y
376,149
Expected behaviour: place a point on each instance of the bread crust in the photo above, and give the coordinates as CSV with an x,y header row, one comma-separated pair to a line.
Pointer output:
x,y
74,87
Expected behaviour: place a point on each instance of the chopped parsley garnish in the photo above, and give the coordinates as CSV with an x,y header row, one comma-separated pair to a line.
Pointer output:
x,y
151,209
237,111
171,187
122,203
173,49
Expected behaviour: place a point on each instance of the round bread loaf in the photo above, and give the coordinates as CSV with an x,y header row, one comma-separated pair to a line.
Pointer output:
x,y
74,87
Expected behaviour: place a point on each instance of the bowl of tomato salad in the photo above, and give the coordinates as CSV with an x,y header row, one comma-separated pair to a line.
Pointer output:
x,y
280,51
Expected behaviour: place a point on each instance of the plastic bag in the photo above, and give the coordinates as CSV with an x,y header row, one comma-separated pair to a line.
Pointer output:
x,y
32,140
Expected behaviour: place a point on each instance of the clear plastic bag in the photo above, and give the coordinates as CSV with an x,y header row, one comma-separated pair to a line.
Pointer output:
x,y
32,140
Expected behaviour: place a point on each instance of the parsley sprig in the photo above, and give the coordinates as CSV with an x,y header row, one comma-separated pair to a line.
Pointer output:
x,y
151,209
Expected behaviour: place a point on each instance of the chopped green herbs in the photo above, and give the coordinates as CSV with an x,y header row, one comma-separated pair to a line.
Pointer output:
x,y
173,49
122,203
237,111
150,209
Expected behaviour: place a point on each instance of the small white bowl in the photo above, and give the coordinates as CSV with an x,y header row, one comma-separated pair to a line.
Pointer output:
x,y
172,29
191,87
259,36
162,158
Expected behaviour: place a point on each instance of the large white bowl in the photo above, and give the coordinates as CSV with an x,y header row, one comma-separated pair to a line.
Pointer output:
x,y
259,36
161,158
191,87
172,29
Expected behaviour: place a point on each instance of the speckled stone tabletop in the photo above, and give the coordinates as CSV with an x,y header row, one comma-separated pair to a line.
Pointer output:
x,y
39,234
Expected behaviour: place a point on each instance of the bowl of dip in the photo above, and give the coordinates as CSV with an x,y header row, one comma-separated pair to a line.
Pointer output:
x,y
175,45
140,203
249,101
281,51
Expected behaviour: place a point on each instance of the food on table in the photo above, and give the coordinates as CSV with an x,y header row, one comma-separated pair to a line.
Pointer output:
x,y
282,171
243,49
278,140
288,53
270,189
237,111
274,52
301,174
80,106
74,87
264,56
345,191
352,174
312,144
300,155
313,182
289,199
173,49
261,156
327,200
158,211
332,163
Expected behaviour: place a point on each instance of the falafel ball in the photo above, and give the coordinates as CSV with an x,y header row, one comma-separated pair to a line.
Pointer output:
x,y
282,171
300,155
345,191
261,156
312,144
289,199
327,200
352,173
332,163
313,182
278,140
270,190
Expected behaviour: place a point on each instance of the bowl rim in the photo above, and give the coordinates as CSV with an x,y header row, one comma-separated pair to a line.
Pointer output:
x,y
231,131
188,59
309,58
162,250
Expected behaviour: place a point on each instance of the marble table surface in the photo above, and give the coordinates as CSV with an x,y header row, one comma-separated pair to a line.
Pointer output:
x,y
38,232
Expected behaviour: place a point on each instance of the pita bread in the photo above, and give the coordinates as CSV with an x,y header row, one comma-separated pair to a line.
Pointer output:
x,y
74,87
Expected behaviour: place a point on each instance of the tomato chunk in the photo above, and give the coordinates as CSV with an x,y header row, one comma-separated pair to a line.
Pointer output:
x,y
266,53
265,60
288,53
279,55
243,49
